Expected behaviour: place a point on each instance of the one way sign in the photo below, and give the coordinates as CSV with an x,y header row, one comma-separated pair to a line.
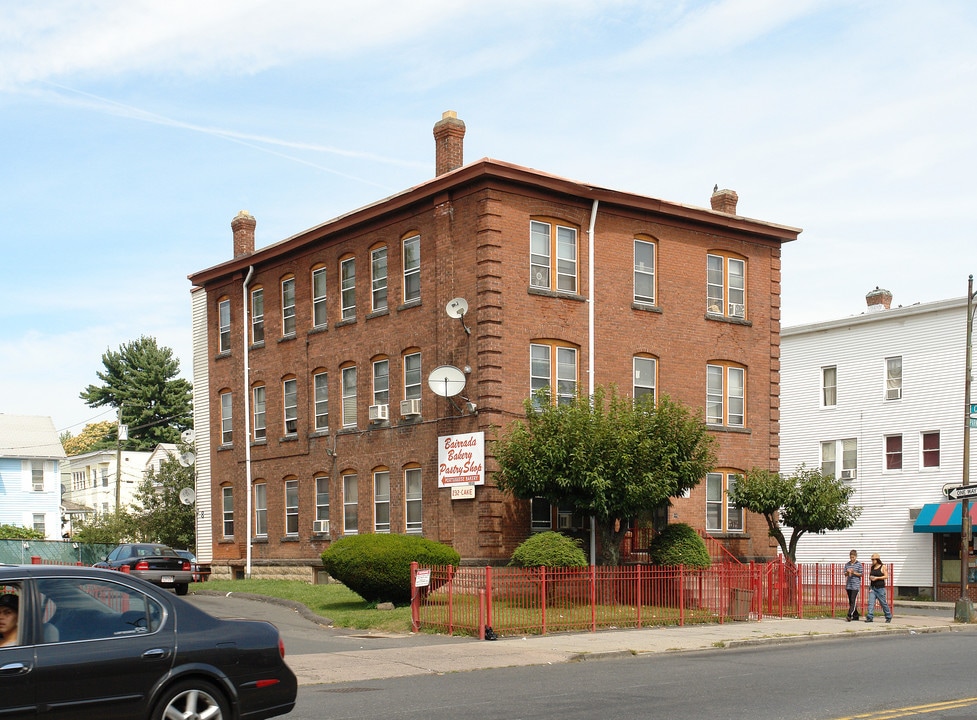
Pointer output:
x,y
962,491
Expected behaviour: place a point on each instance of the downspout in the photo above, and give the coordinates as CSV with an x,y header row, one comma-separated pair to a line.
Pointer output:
x,y
247,424
590,351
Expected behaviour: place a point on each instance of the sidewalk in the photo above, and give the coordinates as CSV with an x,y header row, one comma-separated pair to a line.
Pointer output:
x,y
420,659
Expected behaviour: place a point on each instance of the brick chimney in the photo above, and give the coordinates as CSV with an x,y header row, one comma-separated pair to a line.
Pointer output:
x,y
449,141
878,300
724,201
243,226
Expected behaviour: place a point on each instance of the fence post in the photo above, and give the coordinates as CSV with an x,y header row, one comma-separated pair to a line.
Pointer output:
x,y
681,595
415,599
451,600
481,614
488,596
542,597
637,593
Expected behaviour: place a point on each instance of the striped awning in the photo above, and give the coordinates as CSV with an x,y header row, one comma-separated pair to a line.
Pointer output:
x,y
943,517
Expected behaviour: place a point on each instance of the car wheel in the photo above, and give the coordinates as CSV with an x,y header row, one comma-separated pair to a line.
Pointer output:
x,y
193,699
182,589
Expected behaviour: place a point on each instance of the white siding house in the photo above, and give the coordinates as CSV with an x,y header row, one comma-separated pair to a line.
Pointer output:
x,y
30,483
92,478
878,399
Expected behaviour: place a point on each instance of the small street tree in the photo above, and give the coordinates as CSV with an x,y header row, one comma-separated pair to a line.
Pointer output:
x,y
807,502
106,528
142,378
609,457
160,515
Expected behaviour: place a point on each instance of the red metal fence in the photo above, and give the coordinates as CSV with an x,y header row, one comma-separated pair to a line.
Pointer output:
x,y
467,600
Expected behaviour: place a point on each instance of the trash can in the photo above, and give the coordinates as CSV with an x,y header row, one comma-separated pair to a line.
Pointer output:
x,y
740,601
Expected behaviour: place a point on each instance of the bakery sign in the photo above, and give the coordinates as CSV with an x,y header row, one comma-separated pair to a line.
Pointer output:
x,y
461,459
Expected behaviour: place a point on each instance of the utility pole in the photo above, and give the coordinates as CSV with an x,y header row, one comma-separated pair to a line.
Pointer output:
x,y
120,430
964,611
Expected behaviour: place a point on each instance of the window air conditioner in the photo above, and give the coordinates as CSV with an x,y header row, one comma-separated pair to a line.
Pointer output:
x,y
563,521
410,407
847,474
321,526
893,394
737,309
379,412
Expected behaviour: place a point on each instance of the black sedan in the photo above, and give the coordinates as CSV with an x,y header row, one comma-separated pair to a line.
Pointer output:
x,y
91,643
159,564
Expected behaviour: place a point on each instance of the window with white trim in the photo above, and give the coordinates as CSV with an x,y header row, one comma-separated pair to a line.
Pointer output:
x,y
319,317
38,523
548,241
257,315
553,365
829,386
350,505
381,382
381,501
644,271
260,428
725,395
893,452
378,275
929,445
224,325
645,376
321,497
290,405
320,382
725,286
722,515
893,378
227,511
413,505
227,436
347,277
412,268
261,509
412,376
291,507
839,458
349,396
37,475
288,307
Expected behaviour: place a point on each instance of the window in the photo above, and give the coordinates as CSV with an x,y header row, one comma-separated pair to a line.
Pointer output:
x,y
725,395
381,501
39,523
930,444
319,297
893,378
258,315
412,376
226,436
381,382
349,396
547,241
350,522
412,268
412,499
291,507
541,513
893,452
37,475
347,274
645,373
378,273
550,361
224,320
829,386
288,306
644,271
227,510
321,497
260,509
721,514
320,382
290,404
725,286
105,477
847,450
260,430
93,609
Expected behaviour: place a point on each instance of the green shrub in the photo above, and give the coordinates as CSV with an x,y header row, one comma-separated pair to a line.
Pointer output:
x,y
679,544
377,566
549,549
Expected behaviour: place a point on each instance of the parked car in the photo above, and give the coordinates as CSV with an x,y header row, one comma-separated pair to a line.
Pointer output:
x,y
198,575
159,564
99,644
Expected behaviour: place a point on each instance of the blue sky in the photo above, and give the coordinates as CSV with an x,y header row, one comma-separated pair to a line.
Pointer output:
x,y
132,133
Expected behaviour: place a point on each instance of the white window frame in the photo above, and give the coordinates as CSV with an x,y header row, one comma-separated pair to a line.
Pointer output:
x,y
412,268
549,360
261,509
847,450
257,316
321,497
349,396
726,286
350,505
644,271
288,307
381,382
291,508
290,406
829,386
378,278
320,317
644,377
547,240
730,515
889,455
227,511
925,453
260,429
38,522
320,384
413,501
227,418
412,376
893,378
347,275
224,325
381,501
37,475
725,395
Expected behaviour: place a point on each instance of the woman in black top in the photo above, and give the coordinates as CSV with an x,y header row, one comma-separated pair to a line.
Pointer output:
x,y
877,576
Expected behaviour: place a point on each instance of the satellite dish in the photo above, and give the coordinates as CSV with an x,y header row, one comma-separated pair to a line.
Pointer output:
x,y
446,381
457,308
187,496
187,436
187,459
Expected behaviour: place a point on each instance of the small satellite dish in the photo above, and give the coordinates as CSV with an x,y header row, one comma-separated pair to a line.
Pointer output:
x,y
187,436
457,308
187,459
187,496
446,381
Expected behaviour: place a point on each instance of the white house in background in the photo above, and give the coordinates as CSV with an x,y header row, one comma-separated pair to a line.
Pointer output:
x,y
30,484
160,454
91,478
878,400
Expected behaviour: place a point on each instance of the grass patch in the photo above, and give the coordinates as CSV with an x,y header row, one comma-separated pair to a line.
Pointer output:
x,y
337,602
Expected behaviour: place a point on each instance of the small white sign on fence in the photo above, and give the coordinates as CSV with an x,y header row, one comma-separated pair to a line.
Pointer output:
x,y
423,578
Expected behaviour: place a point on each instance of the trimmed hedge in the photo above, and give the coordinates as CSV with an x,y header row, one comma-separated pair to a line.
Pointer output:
x,y
549,549
377,566
679,544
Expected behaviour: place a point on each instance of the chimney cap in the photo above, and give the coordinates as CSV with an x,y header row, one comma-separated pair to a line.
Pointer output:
x,y
878,299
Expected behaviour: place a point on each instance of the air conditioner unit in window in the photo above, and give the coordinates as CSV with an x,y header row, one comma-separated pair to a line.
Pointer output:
x,y
893,394
847,474
737,309
564,521
379,413
914,513
410,407
321,526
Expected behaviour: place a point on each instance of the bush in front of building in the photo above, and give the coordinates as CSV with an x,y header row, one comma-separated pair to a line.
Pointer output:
x,y
549,549
377,566
679,544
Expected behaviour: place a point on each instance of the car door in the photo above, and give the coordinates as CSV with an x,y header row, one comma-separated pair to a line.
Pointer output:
x,y
114,642
17,677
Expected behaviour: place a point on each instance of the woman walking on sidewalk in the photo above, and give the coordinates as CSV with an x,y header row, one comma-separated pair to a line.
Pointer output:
x,y
877,574
853,583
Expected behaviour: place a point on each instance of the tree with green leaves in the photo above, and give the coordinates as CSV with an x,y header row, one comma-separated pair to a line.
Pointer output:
x,y
16,532
142,379
161,517
106,528
807,502
94,436
609,457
